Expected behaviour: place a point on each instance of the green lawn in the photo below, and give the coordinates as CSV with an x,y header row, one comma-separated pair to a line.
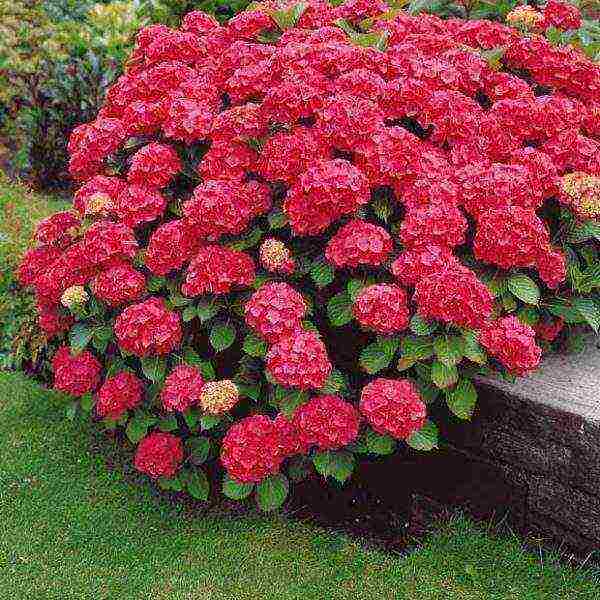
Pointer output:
x,y
73,529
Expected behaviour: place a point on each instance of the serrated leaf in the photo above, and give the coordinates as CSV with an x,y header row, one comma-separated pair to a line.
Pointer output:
x,y
448,349
235,490
472,349
249,240
462,399
222,336
156,284
338,465
208,422
419,326
378,355
443,375
254,346
335,383
191,418
179,301
339,309
138,426
354,288
426,438
589,311
524,288
206,311
168,423
197,485
291,400
277,220
87,402
322,273
272,492
379,444
416,348
189,313
79,337
154,368
173,484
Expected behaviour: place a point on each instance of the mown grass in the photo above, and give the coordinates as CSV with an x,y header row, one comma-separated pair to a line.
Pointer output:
x,y
74,529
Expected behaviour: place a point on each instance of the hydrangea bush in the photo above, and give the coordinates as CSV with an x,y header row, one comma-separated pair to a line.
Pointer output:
x,y
299,233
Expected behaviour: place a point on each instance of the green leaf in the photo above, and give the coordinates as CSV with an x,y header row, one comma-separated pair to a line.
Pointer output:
x,y
277,220
206,311
379,444
207,370
138,426
443,375
419,326
178,300
189,313
286,19
338,465
416,348
462,399
154,368
339,309
197,485
272,492
524,288
426,438
254,346
235,490
71,411
589,311
199,448
472,349
79,337
102,336
291,400
354,288
335,383
209,421
378,355
87,402
322,273
222,335
249,240
155,284
449,349
173,484
299,468
191,418
168,423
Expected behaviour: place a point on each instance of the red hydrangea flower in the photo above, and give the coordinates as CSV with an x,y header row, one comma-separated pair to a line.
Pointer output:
x,y
290,441
251,449
413,265
198,22
275,311
104,242
248,24
148,328
154,166
51,321
454,295
349,120
561,15
119,394
159,455
433,225
188,120
548,330
76,375
144,117
228,160
324,193
36,261
327,422
299,360
513,344
119,284
239,123
359,243
182,389
290,101
287,154
216,270
58,229
137,205
382,307
97,195
171,245
393,407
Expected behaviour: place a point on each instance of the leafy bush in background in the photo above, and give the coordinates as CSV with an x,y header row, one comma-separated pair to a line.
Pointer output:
x,y
291,243
57,59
